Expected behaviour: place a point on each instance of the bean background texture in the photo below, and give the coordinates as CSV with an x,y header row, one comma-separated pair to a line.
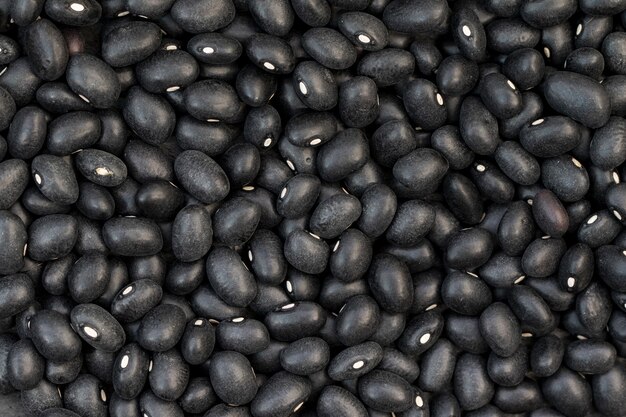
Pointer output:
x,y
333,208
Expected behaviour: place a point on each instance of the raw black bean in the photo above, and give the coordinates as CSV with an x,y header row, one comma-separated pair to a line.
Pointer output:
x,y
199,396
567,381
280,395
295,320
469,34
167,71
161,328
246,336
97,327
63,372
306,252
477,393
42,397
385,391
469,248
329,47
130,371
334,399
53,337
563,89
132,236
379,205
52,237
169,375
55,178
305,356
478,127
152,405
130,43
421,333
416,16
25,365
500,329
542,255
230,277
199,17
271,54
93,80
201,176
465,293
532,311
235,221
47,49
149,116
387,67
13,250
357,320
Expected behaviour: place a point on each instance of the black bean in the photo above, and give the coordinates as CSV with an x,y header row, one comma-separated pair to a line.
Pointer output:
x,y
27,12
559,92
295,320
280,395
169,375
93,80
130,43
199,396
161,328
64,372
151,405
97,327
379,206
477,393
500,329
230,277
235,221
130,371
55,178
13,250
385,391
421,333
469,248
199,17
25,365
465,293
52,237
149,116
508,372
567,381
357,320
478,127
424,104
507,35
271,54
532,311
542,255
606,390
201,176
305,356
387,67
53,337
132,236
415,16
421,170
329,47
306,252
42,397
335,399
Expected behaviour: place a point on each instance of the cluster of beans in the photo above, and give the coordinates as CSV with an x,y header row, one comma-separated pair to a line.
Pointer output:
x,y
333,208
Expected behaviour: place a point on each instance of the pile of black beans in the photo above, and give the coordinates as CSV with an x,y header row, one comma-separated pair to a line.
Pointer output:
x,y
333,208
